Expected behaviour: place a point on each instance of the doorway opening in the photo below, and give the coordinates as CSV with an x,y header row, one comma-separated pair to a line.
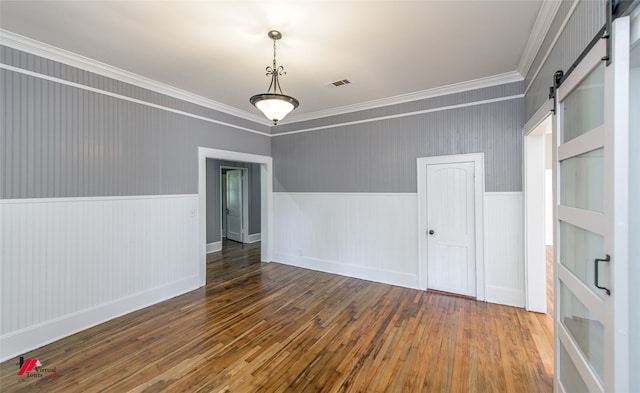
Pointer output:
x,y
265,170
538,205
233,219
239,205
235,213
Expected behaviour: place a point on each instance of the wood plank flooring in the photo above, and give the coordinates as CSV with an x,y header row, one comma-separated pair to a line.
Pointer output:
x,y
275,328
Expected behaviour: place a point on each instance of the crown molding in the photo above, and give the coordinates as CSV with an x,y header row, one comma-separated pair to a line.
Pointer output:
x,y
567,17
546,15
495,80
25,44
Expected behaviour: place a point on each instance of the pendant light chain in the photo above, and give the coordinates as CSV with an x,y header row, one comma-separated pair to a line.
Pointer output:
x,y
274,54
275,72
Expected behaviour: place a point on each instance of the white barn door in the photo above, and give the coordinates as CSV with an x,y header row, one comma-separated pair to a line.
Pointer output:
x,y
590,249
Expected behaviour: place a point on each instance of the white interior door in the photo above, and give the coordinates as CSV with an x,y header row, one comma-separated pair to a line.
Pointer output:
x,y
234,205
223,202
451,228
588,280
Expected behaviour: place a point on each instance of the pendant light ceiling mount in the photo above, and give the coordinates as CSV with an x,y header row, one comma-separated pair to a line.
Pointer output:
x,y
274,35
273,103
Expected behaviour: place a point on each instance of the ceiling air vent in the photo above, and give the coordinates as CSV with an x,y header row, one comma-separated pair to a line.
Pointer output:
x,y
339,83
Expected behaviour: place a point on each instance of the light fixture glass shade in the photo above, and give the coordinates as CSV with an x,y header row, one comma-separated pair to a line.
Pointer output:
x,y
274,106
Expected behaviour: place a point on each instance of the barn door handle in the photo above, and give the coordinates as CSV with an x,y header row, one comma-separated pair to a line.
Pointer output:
x,y
596,279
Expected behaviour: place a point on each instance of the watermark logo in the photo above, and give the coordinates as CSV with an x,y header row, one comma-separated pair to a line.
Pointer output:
x,y
28,366
32,368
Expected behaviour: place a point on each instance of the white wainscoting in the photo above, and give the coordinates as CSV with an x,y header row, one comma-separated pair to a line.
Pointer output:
x,y
71,263
375,237
504,250
362,235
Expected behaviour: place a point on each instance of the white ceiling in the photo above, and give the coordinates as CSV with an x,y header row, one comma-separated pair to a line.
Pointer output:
x,y
219,49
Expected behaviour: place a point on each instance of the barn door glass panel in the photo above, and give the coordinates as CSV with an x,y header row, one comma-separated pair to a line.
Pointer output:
x,y
570,377
585,328
582,181
588,94
579,249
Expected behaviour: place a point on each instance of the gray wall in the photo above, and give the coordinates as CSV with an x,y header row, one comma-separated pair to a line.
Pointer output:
x,y
380,155
63,141
213,197
493,92
587,19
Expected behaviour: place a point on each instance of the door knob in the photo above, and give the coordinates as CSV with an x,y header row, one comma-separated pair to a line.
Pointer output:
x,y
431,231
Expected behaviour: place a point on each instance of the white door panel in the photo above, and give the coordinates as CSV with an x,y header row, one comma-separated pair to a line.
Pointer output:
x,y
234,205
451,226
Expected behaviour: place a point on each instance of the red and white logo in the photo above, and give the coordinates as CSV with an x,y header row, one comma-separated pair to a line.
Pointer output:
x,y
28,365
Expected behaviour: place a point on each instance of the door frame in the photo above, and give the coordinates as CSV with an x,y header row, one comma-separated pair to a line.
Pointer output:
x,y
534,212
266,202
478,161
245,201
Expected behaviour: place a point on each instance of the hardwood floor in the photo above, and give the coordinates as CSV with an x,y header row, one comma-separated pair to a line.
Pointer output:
x,y
274,328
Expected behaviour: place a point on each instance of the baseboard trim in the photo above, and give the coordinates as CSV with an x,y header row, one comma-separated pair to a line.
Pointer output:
x,y
343,269
213,247
22,341
505,296
254,238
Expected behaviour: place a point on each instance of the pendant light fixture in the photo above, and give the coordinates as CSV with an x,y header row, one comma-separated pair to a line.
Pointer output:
x,y
274,105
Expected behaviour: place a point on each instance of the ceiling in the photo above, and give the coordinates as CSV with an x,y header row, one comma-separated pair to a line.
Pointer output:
x,y
219,49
